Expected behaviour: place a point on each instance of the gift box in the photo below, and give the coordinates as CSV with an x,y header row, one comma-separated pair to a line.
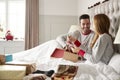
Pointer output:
x,y
70,56
11,72
8,57
2,59
30,67
60,53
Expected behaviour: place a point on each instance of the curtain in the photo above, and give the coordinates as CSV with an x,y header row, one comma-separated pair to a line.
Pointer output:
x,y
32,24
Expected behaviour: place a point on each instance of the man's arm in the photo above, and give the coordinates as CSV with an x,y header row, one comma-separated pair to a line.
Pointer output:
x,y
62,40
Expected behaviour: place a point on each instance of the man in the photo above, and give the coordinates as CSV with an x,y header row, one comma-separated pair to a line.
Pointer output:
x,y
81,38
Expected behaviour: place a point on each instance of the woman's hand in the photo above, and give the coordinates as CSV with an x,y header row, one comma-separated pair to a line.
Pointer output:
x,y
75,49
68,48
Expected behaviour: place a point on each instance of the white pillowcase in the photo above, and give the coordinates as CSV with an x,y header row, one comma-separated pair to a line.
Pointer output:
x,y
115,62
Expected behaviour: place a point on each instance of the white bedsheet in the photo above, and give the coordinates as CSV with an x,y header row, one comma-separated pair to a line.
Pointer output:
x,y
41,56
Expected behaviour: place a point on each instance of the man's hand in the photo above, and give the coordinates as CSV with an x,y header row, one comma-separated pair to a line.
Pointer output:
x,y
70,39
68,48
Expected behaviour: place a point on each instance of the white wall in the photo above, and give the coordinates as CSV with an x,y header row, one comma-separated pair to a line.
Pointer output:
x,y
56,16
59,7
84,4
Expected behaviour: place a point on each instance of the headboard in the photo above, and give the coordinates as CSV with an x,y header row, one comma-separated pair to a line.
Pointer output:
x,y
112,9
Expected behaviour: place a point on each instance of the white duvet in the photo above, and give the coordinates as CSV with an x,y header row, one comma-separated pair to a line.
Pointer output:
x,y
86,71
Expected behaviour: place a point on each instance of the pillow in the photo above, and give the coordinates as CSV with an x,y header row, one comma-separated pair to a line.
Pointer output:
x,y
115,62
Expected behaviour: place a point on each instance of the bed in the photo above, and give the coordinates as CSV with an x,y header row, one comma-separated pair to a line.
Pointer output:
x,y
86,71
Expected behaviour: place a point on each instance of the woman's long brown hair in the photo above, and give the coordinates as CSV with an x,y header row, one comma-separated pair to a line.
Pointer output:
x,y
102,25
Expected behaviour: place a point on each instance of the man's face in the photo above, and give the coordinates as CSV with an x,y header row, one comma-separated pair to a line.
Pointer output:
x,y
85,25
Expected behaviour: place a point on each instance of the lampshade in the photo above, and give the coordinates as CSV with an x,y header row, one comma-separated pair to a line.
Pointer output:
x,y
117,38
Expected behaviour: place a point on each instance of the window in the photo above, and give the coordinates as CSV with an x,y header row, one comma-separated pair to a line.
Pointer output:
x,y
12,17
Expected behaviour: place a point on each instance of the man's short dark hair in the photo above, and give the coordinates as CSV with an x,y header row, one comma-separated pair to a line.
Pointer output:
x,y
84,16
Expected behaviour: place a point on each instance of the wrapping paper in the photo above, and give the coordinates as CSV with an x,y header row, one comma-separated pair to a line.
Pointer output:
x,y
10,72
30,67
2,59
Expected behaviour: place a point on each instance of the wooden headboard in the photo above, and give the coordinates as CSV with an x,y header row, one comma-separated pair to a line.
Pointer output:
x,y
112,9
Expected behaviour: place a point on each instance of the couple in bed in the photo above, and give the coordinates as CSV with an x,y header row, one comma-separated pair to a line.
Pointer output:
x,y
95,46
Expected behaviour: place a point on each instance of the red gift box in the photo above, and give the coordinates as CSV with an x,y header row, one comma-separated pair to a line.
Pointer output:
x,y
61,53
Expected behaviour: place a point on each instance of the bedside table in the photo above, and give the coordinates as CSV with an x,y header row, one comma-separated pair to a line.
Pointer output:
x,y
9,47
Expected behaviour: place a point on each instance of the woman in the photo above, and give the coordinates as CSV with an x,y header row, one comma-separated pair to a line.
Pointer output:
x,y
102,47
